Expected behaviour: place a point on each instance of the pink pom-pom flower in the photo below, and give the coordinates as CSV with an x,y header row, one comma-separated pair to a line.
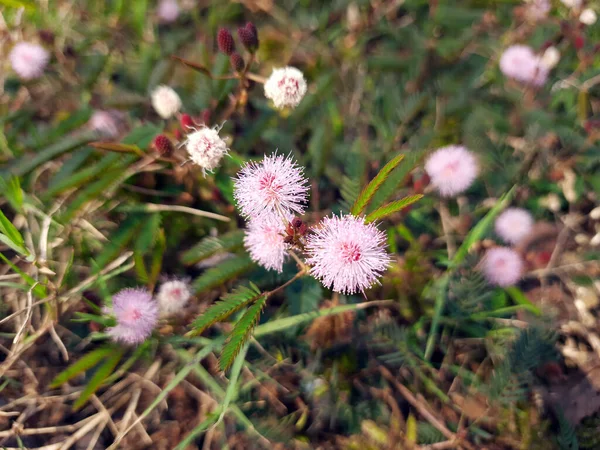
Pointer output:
x,y
264,240
537,9
520,63
286,87
172,297
106,123
452,169
206,148
167,11
502,266
275,185
136,313
28,60
347,254
513,225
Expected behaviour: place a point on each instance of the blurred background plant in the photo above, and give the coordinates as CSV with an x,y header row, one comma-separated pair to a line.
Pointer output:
x,y
435,357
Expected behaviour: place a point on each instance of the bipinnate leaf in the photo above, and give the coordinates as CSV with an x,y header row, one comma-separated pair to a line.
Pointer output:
x,y
84,363
228,305
392,207
367,193
241,333
209,246
222,273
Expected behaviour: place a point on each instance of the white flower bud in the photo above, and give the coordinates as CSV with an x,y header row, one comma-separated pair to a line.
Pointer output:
x,y
551,57
165,101
588,16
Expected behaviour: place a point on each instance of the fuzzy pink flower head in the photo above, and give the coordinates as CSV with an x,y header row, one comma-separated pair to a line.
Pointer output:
x,y
452,169
275,185
502,266
513,225
136,313
520,63
286,87
347,254
167,11
264,240
206,148
172,297
29,60
106,123
537,9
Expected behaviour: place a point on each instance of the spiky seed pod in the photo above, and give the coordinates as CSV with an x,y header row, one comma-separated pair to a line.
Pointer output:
x,y
237,62
186,121
206,117
163,145
249,37
225,41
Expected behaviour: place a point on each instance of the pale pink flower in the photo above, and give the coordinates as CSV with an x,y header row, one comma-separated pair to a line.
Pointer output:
x,y
206,148
452,169
264,240
28,60
347,254
513,225
286,87
502,266
136,313
106,123
588,16
172,297
165,101
520,63
576,4
275,185
537,9
168,11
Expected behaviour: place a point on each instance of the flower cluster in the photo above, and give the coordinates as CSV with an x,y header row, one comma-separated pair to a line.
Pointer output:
x,y
503,266
137,312
268,194
343,252
520,63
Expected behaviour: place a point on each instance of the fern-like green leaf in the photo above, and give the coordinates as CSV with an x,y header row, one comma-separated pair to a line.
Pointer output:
x,y
367,193
241,333
393,207
209,246
228,305
222,273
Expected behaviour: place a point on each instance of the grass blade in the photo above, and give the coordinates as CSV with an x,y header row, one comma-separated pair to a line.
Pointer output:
x,y
99,377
